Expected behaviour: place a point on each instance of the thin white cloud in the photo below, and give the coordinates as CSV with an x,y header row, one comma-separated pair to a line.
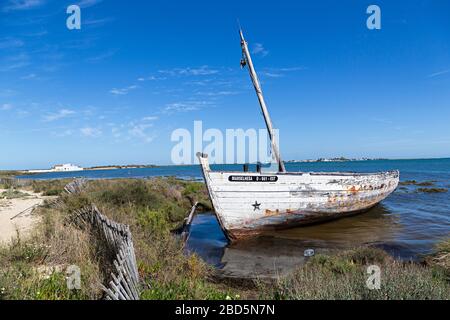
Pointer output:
x,y
187,106
101,57
15,62
438,73
140,131
30,76
63,113
17,5
135,130
64,133
35,20
258,49
150,78
218,93
96,22
85,43
88,3
8,43
290,69
382,120
201,83
91,132
7,92
23,113
37,33
279,72
116,132
272,75
123,91
200,71
6,106
152,118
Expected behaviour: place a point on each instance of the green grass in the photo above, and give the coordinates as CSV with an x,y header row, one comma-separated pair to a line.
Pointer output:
x,y
343,276
21,277
9,173
26,284
183,290
49,187
13,194
439,260
152,208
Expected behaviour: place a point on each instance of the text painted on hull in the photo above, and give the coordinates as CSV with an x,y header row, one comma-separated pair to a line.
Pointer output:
x,y
253,179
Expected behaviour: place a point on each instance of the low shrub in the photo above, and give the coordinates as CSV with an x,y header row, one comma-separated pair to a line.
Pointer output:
x,y
343,276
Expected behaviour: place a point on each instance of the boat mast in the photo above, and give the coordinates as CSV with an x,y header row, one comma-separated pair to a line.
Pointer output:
x,y
247,60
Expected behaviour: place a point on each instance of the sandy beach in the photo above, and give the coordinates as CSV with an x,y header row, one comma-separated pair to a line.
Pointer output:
x,y
15,215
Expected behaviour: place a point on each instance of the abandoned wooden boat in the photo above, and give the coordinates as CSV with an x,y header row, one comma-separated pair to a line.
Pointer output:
x,y
247,204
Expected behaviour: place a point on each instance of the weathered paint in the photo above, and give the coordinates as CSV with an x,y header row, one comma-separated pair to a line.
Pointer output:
x,y
247,208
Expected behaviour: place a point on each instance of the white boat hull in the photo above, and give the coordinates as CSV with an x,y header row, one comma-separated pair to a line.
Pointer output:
x,y
247,204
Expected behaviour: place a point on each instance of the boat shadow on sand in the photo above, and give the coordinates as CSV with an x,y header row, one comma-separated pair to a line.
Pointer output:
x,y
278,253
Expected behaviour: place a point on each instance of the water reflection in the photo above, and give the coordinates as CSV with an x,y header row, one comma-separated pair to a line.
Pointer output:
x,y
279,252
378,224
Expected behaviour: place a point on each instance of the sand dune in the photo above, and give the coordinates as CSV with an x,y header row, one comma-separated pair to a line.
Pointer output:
x,y
10,223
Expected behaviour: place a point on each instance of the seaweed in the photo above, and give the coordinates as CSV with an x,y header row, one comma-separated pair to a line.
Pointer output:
x,y
432,190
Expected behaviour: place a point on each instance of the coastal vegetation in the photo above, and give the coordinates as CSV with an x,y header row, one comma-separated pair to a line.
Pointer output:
x,y
13,194
423,187
129,166
34,267
336,159
415,183
432,190
441,258
343,276
9,173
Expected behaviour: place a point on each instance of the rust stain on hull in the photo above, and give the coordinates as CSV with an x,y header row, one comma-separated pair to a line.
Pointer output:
x,y
285,221
270,213
251,205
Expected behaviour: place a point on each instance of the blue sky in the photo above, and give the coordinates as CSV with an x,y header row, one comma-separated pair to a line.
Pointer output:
x,y
113,92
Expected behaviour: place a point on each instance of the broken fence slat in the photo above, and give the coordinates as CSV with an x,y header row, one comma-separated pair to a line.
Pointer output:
x,y
118,240
126,275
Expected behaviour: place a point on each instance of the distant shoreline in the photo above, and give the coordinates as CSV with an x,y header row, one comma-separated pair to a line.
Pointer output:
x,y
340,159
117,167
5,173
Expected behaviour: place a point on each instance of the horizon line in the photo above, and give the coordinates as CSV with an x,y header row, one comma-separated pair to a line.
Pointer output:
x,y
288,161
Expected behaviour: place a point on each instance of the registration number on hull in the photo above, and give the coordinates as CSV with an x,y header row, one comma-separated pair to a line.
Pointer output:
x,y
252,178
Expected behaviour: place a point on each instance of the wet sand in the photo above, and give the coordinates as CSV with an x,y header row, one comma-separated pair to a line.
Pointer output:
x,y
10,223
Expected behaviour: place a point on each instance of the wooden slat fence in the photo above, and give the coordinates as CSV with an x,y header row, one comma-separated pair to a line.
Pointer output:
x,y
14,183
117,238
76,186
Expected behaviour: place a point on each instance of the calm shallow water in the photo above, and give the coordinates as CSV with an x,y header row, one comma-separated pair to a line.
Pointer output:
x,y
407,224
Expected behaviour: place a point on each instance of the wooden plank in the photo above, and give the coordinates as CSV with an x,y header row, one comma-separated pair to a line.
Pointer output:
x,y
117,238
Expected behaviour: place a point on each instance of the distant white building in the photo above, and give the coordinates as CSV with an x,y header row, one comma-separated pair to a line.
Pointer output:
x,y
66,168
60,168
